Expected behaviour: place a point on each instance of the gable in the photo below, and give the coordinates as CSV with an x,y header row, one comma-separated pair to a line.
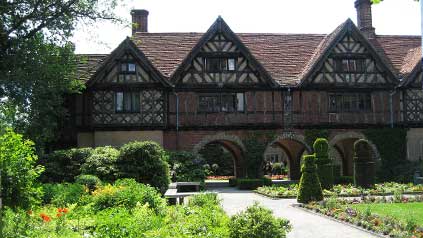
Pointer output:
x,y
350,61
220,59
127,65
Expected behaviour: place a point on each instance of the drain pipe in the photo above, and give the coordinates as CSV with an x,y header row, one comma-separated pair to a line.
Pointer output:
x,y
391,107
177,119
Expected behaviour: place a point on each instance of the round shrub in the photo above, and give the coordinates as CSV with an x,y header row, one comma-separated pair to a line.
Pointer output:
x,y
91,181
187,167
145,162
310,188
258,222
102,163
62,194
128,193
63,165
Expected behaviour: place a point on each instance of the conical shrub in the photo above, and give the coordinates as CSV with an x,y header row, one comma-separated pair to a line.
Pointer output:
x,y
310,188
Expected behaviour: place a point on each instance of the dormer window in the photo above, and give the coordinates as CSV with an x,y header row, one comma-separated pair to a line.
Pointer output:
x,y
216,65
128,68
350,65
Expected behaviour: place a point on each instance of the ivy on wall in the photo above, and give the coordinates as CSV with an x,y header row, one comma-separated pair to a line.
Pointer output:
x,y
256,144
312,134
391,144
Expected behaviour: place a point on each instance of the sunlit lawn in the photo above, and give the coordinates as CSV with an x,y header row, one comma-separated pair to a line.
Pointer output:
x,y
400,211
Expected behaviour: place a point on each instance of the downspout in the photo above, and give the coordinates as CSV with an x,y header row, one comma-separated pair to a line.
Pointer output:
x,y
177,120
391,106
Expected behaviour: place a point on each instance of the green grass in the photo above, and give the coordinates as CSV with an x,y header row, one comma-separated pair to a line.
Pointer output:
x,y
400,211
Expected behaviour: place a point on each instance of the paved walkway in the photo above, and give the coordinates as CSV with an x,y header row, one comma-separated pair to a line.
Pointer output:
x,y
305,224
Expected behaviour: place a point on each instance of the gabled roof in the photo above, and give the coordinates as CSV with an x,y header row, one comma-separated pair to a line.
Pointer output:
x,y
331,40
220,26
127,46
413,56
286,57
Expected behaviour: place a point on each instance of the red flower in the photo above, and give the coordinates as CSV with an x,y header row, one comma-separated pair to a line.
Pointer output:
x,y
62,210
45,217
59,214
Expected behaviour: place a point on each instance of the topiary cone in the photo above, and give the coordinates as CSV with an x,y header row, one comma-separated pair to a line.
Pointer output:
x,y
310,188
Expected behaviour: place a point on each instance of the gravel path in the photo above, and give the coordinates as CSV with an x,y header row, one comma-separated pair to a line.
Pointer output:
x,y
305,224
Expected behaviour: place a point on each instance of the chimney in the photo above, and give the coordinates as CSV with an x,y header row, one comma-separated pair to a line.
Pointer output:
x,y
364,18
139,20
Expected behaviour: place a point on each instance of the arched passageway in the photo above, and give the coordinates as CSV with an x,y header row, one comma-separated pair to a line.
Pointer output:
x,y
342,150
294,147
231,144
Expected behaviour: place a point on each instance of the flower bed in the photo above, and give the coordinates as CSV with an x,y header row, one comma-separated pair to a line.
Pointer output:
x,y
219,177
345,211
290,191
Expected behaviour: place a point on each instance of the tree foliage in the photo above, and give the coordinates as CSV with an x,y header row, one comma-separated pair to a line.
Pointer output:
x,y
37,64
18,171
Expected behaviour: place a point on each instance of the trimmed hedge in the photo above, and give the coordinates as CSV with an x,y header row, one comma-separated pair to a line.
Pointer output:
x,y
63,165
251,184
310,188
364,166
324,163
91,181
145,162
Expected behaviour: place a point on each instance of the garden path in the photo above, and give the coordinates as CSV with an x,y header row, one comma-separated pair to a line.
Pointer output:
x,y
305,224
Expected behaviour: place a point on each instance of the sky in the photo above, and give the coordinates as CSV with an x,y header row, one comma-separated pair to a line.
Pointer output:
x,y
391,17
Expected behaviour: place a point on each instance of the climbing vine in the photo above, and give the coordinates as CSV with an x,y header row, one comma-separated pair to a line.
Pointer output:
x,y
256,144
391,144
312,134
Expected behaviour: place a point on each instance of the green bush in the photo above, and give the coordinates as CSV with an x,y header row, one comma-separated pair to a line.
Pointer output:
x,y
146,163
91,181
258,222
233,182
18,171
247,183
63,165
187,167
204,200
324,163
102,163
310,188
127,193
364,166
344,180
215,154
277,168
61,195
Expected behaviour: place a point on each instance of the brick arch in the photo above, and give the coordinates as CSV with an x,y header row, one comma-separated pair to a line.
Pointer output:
x,y
347,153
294,146
232,143
354,135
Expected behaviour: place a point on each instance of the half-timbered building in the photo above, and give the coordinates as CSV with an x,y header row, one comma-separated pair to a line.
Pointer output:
x,y
187,90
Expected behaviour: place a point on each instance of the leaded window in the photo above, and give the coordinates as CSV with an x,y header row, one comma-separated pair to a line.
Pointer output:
x,y
127,102
350,65
215,64
350,102
221,102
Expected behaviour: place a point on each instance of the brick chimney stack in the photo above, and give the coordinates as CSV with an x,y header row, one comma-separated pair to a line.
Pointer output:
x,y
139,20
364,18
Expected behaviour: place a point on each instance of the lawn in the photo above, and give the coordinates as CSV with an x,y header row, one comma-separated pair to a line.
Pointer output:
x,y
400,211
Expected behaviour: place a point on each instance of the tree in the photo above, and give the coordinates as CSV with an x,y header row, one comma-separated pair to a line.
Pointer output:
x,y
38,65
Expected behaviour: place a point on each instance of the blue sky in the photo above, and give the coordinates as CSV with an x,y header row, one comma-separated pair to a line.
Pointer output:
x,y
392,17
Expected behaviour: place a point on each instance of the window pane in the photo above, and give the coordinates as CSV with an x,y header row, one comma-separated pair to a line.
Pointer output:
x,y
332,103
127,101
240,102
213,64
228,103
345,66
135,102
231,64
119,102
123,67
131,67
